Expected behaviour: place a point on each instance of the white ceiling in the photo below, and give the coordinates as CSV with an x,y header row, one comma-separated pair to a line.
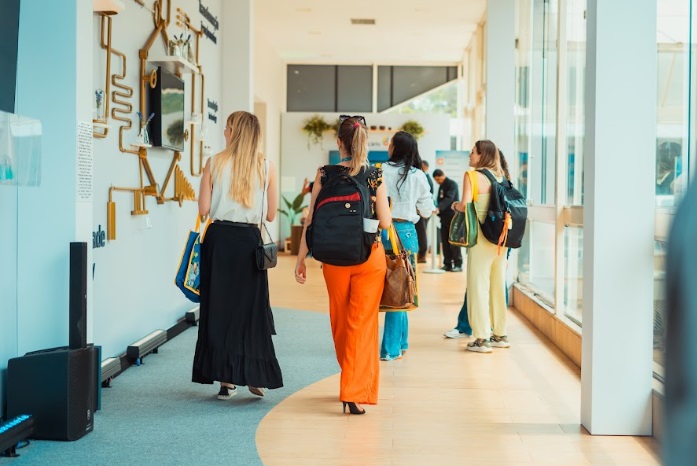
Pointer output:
x,y
405,31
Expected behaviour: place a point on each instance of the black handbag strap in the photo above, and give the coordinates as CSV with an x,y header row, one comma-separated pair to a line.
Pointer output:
x,y
262,224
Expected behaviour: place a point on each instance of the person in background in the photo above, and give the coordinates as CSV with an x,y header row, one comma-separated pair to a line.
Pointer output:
x,y
463,328
238,189
680,415
411,200
447,194
422,224
486,269
354,290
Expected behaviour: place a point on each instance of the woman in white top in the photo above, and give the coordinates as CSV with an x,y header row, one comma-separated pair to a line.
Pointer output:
x,y
238,188
410,198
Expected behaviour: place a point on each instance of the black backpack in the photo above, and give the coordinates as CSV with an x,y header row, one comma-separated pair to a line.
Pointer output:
x,y
507,214
336,234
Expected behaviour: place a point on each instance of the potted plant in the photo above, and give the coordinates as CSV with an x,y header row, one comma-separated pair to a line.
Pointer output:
x,y
291,211
414,128
315,128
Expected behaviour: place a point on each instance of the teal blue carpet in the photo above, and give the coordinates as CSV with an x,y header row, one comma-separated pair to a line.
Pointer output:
x,y
153,414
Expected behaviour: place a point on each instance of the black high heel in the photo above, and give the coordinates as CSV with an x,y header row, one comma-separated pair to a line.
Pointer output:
x,y
353,409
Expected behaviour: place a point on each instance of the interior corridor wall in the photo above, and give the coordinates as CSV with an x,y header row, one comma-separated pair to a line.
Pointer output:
x,y
269,90
134,291
47,217
300,158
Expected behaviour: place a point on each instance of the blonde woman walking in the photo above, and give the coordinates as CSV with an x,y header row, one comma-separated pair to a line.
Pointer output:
x,y
238,189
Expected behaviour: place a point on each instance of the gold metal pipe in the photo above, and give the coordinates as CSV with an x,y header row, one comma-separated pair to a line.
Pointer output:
x,y
148,171
110,219
125,92
111,208
105,45
98,135
176,158
193,169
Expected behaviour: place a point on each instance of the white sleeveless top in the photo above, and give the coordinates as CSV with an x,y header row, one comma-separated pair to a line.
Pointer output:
x,y
223,207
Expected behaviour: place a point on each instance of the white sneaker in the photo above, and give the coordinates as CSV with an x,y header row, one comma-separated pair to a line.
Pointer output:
x,y
499,342
455,333
479,346
226,393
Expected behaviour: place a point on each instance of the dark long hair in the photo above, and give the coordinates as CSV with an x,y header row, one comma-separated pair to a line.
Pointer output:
x,y
504,165
405,151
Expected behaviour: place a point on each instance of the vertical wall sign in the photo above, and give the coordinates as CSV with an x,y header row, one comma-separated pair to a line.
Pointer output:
x,y
213,105
213,20
84,162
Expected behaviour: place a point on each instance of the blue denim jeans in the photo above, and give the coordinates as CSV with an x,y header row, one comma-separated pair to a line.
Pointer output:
x,y
463,322
396,331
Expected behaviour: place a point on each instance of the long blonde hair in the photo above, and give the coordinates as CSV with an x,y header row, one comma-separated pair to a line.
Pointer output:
x,y
246,161
354,138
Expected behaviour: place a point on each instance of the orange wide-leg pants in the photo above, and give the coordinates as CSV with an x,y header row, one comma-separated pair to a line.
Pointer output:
x,y
354,301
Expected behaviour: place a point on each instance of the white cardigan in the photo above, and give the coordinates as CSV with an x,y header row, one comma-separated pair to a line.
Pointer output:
x,y
414,193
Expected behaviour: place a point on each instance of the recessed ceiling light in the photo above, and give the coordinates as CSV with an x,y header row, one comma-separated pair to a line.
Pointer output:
x,y
362,21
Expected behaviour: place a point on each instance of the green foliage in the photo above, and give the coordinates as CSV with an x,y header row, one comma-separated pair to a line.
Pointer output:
x,y
293,208
175,133
414,128
315,128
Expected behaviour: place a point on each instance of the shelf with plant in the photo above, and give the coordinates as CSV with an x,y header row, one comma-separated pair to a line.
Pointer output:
x,y
414,128
314,128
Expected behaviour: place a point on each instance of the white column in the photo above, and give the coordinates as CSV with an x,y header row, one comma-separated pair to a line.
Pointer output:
x,y
500,73
238,56
620,98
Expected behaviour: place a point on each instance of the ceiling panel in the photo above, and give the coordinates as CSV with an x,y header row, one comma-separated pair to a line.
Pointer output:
x,y
405,32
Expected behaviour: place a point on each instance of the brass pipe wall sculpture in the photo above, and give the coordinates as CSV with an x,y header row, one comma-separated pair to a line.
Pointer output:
x,y
122,108
138,209
183,20
124,92
105,45
161,197
183,190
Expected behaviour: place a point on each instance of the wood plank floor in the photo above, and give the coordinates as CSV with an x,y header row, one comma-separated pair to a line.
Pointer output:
x,y
441,404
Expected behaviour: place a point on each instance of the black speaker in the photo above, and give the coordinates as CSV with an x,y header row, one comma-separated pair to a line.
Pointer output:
x,y
58,387
77,320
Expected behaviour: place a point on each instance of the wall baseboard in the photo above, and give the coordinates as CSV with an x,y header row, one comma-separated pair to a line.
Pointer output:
x,y
562,332
126,362
566,336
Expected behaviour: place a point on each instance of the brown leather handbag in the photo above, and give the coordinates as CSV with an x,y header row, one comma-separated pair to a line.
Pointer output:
x,y
400,292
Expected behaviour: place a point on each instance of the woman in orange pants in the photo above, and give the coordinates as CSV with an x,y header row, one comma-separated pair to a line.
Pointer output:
x,y
354,290
354,318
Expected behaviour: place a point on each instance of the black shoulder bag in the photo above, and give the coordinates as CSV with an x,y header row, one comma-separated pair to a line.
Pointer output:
x,y
267,253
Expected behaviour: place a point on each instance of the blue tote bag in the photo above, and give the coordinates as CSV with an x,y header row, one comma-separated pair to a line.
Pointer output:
x,y
188,274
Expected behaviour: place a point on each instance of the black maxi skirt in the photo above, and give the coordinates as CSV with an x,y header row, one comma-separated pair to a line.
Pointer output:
x,y
235,320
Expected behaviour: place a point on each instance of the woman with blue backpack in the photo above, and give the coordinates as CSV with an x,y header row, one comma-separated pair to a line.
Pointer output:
x,y
410,200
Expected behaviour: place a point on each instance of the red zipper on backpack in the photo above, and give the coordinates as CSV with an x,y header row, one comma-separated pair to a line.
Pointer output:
x,y
352,197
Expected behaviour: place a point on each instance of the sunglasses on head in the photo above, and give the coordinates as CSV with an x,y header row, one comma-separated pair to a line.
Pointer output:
x,y
360,118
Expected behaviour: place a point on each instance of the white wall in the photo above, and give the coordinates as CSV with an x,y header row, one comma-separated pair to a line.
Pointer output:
x,y
134,291
269,90
300,161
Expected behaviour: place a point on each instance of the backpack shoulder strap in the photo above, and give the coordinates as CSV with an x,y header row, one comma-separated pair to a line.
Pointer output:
x,y
488,174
